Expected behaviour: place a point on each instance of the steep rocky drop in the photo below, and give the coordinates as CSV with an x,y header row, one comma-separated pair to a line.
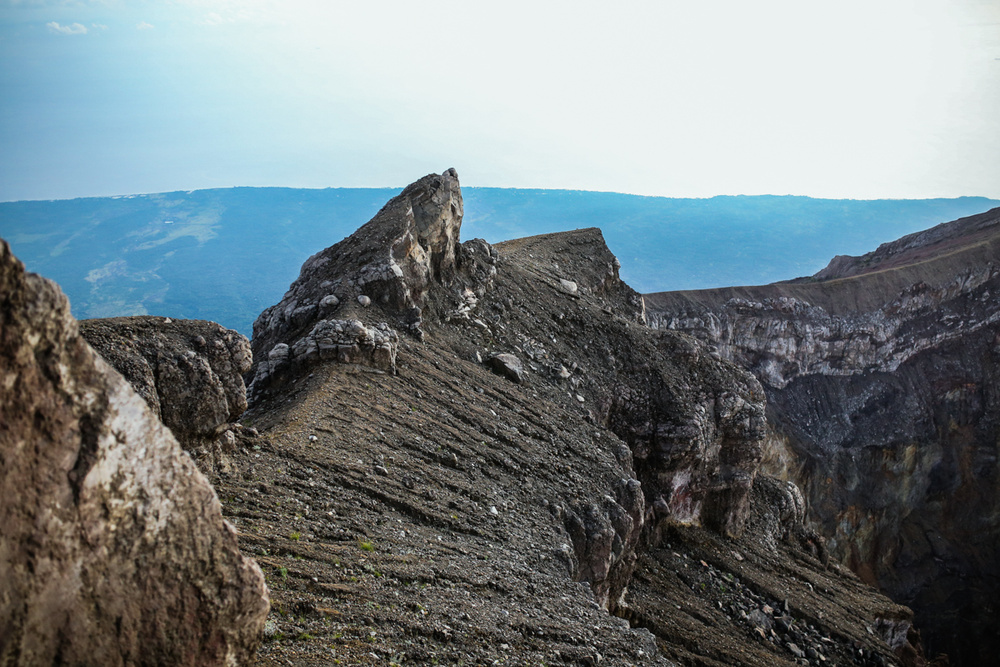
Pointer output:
x,y
882,385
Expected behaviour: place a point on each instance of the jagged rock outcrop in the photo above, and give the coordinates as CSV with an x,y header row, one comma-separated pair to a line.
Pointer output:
x,y
884,406
113,548
443,512
696,438
189,371
351,299
779,514
694,424
604,536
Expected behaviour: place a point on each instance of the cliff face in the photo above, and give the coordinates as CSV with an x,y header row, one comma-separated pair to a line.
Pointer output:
x,y
882,381
515,468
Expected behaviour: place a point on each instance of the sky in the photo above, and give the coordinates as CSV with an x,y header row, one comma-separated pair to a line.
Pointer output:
x,y
851,99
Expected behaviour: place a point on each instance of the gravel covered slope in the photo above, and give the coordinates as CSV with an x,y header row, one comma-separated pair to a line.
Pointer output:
x,y
431,505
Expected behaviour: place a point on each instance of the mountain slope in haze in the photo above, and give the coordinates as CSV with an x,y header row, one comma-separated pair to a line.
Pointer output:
x,y
882,374
186,254
180,254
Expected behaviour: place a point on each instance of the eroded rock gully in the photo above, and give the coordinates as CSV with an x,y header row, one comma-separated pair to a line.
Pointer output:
x,y
113,549
882,385
412,501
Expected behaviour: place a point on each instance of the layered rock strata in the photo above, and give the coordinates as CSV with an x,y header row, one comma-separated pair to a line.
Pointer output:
x,y
881,379
113,548
190,372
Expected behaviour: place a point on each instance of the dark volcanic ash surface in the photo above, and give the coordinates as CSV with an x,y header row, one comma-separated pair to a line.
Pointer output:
x,y
591,498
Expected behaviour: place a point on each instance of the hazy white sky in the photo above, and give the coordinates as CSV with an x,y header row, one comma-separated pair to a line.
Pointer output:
x,y
871,99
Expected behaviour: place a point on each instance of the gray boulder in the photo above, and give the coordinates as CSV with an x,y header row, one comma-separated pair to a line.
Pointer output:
x,y
189,371
508,366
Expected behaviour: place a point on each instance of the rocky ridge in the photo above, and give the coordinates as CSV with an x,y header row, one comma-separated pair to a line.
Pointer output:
x,y
781,338
882,391
525,473
393,261
113,549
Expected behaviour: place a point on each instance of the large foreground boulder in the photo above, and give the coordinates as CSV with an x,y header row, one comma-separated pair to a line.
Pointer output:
x,y
113,549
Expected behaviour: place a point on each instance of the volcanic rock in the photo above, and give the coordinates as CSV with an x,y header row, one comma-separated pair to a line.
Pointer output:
x,y
113,548
508,366
382,277
189,371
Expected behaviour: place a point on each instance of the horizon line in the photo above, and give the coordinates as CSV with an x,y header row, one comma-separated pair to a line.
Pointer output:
x,y
488,187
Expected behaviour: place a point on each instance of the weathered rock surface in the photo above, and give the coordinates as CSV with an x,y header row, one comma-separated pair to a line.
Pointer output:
x,y
351,299
884,406
113,549
189,371
435,511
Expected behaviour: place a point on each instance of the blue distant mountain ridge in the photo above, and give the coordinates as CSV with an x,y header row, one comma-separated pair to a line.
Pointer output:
x,y
227,254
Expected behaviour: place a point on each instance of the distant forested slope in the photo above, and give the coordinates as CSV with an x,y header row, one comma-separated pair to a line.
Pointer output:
x,y
227,254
